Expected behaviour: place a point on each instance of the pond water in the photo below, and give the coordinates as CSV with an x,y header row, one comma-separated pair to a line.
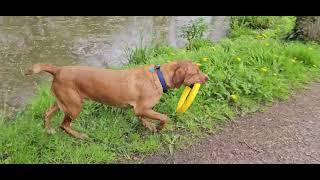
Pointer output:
x,y
94,41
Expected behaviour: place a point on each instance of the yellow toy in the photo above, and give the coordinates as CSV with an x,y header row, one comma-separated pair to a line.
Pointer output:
x,y
187,97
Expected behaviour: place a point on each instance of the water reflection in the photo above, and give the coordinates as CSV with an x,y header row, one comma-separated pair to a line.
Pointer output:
x,y
95,41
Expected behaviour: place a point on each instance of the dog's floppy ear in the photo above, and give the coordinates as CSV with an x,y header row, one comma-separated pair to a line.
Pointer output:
x,y
178,77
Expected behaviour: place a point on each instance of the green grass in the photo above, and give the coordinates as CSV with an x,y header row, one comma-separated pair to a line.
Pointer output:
x,y
262,26
257,70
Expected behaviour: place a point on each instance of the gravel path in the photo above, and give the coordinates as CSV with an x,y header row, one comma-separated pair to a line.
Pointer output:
x,y
287,132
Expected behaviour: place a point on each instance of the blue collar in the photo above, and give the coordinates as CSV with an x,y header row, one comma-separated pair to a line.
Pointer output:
x,y
161,78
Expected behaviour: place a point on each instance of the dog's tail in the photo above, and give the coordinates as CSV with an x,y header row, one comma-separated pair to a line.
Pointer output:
x,y
36,68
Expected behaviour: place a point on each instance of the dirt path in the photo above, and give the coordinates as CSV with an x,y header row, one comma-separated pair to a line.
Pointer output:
x,y
287,132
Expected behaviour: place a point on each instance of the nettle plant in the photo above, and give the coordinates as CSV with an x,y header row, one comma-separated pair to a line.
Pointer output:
x,y
193,32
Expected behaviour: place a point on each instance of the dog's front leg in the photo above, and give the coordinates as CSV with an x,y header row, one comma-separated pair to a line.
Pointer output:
x,y
149,113
148,124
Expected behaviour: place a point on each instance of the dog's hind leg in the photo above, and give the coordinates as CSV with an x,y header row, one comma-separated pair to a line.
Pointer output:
x,y
70,103
66,125
48,116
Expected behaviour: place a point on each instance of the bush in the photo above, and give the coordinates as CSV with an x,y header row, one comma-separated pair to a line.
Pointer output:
x,y
193,33
271,26
194,30
254,22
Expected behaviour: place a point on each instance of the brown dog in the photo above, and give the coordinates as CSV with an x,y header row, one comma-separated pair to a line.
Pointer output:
x,y
138,87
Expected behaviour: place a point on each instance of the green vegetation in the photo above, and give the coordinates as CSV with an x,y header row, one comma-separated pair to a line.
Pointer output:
x,y
251,67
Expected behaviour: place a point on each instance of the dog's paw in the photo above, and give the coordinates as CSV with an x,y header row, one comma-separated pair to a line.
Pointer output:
x,y
160,127
83,136
153,129
50,131
150,126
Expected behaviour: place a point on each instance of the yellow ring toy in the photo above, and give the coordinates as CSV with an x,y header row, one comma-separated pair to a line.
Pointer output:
x,y
187,97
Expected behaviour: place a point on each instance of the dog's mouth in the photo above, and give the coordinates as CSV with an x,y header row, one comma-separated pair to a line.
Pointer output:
x,y
200,82
191,85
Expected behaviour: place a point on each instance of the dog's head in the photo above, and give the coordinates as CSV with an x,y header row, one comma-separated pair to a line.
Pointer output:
x,y
188,73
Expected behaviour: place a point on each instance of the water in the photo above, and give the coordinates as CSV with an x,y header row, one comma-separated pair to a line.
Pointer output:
x,y
94,41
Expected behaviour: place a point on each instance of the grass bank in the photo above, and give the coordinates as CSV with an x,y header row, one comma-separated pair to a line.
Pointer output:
x,y
253,66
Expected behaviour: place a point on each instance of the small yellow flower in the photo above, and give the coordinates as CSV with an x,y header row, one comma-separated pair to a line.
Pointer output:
x,y
205,59
234,97
264,69
238,59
